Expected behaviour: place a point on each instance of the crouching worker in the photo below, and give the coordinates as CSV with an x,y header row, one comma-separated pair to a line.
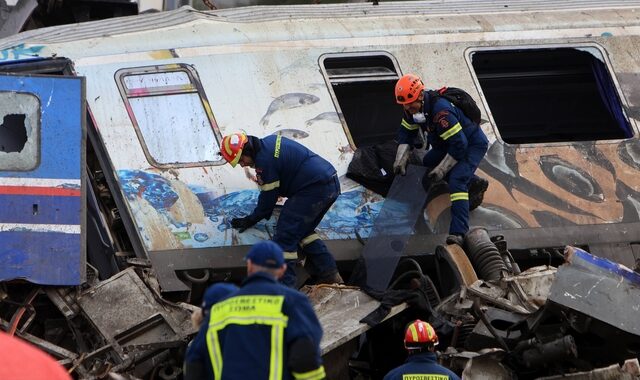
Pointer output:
x,y
285,168
457,146
420,340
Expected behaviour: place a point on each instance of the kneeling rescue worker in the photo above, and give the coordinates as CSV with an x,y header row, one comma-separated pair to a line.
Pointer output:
x,y
288,169
457,147
420,340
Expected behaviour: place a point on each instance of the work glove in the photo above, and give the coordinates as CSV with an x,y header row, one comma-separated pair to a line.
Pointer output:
x,y
438,173
402,156
241,224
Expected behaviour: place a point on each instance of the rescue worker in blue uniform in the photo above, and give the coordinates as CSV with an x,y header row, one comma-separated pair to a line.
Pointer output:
x,y
457,147
197,364
265,330
420,340
285,168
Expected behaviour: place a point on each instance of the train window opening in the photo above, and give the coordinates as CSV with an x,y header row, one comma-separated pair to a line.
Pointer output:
x,y
544,95
362,90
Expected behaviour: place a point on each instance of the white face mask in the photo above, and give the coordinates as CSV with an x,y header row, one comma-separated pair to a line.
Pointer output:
x,y
419,118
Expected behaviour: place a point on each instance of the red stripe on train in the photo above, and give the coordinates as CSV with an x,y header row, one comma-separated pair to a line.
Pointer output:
x,y
31,190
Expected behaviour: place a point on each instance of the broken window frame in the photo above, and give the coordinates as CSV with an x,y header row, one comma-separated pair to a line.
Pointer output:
x,y
38,132
590,47
330,80
194,87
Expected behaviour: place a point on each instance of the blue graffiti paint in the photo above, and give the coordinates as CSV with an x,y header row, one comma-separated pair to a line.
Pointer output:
x,y
233,205
20,52
201,237
151,187
355,210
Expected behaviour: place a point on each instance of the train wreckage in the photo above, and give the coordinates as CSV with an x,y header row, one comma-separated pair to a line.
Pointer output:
x,y
116,203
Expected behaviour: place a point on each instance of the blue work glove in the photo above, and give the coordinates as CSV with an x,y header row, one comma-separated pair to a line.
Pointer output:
x,y
241,224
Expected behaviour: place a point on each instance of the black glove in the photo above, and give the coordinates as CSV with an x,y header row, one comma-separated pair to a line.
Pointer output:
x,y
241,224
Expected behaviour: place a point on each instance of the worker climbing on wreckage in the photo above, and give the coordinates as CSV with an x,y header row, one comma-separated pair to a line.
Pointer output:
x,y
457,144
420,340
285,168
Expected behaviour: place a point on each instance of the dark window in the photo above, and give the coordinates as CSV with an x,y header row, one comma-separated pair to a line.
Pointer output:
x,y
551,95
362,85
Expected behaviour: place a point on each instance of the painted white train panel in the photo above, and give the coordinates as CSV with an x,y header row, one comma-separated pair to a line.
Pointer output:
x,y
558,89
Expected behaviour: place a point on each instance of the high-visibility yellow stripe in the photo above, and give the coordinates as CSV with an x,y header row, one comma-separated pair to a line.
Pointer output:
x,y
277,337
414,332
424,376
459,197
409,126
309,239
270,186
290,255
227,146
236,159
455,129
213,346
249,310
276,152
316,374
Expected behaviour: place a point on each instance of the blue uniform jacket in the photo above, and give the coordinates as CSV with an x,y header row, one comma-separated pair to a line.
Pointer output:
x,y
422,366
249,334
197,348
448,128
284,167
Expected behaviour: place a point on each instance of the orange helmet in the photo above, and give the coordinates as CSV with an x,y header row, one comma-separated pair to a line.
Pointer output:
x,y
419,334
408,89
231,147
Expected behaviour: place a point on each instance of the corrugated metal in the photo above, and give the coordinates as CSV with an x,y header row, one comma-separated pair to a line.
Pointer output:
x,y
131,24
435,7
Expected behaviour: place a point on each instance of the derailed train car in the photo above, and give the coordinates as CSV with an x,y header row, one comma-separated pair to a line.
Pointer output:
x,y
557,86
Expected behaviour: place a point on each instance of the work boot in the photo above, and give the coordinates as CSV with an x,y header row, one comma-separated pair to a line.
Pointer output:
x,y
455,239
330,278
477,187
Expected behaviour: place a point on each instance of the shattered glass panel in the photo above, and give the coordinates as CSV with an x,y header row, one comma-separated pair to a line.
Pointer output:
x,y
175,128
393,227
19,131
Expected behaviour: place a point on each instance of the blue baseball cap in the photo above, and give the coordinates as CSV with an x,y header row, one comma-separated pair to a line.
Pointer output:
x,y
266,254
216,293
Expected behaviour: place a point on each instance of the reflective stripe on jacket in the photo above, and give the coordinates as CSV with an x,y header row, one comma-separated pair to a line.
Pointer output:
x,y
249,334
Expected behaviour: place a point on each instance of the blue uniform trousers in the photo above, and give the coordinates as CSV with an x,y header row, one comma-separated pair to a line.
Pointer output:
x,y
458,179
296,226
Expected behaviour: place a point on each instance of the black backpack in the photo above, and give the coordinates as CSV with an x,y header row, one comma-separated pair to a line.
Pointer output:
x,y
459,98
